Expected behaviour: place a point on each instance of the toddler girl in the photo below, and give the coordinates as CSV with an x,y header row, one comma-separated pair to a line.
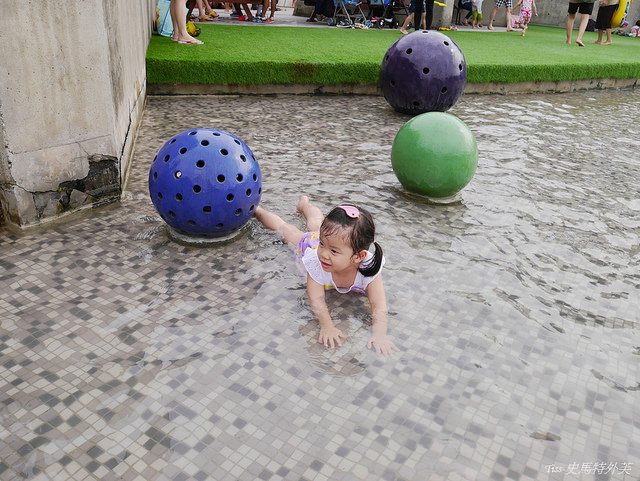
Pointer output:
x,y
522,20
334,255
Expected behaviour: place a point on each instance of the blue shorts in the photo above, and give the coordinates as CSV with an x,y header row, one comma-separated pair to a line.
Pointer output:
x,y
412,7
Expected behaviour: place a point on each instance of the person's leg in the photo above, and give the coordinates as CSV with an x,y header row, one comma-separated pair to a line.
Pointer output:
x,y
172,11
600,32
570,19
424,20
509,29
524,29
608,42
273,11
584,19
491,17
311,213
417,14
405,24
291,233
428,14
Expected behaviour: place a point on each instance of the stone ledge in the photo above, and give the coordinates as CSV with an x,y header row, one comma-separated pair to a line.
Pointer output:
x,y
371,89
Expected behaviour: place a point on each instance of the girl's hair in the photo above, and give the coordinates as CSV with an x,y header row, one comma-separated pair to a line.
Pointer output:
x,y
361,235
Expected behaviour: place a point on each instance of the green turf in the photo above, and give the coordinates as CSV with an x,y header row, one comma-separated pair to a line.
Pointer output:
x,y
276,55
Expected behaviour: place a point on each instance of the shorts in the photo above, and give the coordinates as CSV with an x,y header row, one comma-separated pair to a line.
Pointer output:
x,y
605,14
412,6
506,3
582,7
477,16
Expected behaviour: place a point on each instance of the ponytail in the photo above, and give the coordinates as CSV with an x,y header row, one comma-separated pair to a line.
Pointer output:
x,y
373,267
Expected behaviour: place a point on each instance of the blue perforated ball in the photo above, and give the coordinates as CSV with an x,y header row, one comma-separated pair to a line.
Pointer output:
x,y
205,182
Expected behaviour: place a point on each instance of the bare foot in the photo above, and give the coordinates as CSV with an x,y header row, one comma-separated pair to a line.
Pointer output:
x,y
510,30
473,27
302,203
490,27
579,42
523,32
568,42
599,42
479,25
606,43
403,31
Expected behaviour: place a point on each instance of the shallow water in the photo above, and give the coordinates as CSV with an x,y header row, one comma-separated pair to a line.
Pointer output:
x,y
127,356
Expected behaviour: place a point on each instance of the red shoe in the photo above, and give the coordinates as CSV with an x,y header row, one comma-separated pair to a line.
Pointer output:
x,y
242,18
269,20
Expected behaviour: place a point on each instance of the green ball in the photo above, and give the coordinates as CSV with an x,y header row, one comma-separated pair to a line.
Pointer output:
x,y
434,154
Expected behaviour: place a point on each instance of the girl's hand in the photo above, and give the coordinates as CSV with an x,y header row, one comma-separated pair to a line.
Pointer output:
x,y
330,336
382,345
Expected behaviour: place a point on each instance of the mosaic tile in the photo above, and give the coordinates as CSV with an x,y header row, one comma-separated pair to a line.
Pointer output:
x,y
126,356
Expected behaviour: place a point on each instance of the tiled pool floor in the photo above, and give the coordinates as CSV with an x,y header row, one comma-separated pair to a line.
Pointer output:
x,y
126,356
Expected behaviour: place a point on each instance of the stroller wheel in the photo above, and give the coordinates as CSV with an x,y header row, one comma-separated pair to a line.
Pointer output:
x,y
380,22
394,23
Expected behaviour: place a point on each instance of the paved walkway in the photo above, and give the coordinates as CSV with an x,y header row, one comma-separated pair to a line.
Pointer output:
x,y
284,18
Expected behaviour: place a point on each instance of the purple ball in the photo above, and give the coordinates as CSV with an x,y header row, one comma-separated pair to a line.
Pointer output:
x,y
423,71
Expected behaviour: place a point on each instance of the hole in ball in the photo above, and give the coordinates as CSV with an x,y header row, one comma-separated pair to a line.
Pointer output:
x,y
166,158
217,134
155,175
183,150
155,158
191,222
416,103
460,67
197,189
425,70
172,213
444,89
393,83
159,195
236,141
252,208
206,209
178,174
255,177
200,164
243,158
238,211
172,141
224,151
248,192
219,225
409,50
179,197
193,132
239,177
220,178
446,43
260,190
204,143
229,197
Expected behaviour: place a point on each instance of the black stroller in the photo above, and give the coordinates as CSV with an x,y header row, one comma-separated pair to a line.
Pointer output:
x,y
383,13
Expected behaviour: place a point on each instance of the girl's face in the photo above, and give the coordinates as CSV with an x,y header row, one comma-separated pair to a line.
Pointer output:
x,y
335,253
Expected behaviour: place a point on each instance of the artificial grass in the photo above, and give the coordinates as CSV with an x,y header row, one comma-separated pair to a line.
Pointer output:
x,y
255,55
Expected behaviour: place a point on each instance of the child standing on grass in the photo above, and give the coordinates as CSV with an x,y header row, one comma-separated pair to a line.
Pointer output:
x,y
334,255
522,20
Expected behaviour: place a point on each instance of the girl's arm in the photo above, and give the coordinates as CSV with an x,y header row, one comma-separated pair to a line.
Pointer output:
x,y
535,10
329,334
378,300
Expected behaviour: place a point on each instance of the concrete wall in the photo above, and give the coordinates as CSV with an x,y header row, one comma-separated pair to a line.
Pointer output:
x,y
72,86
